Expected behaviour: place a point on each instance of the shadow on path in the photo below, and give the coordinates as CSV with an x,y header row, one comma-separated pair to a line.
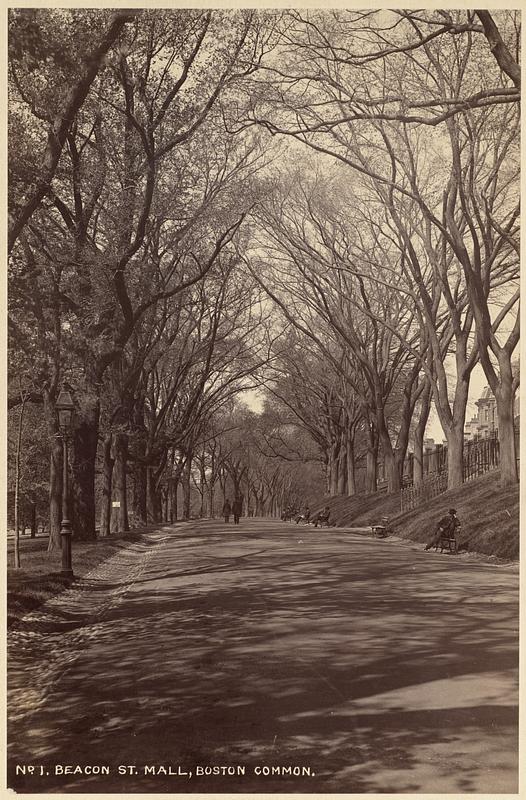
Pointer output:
x,y
248,647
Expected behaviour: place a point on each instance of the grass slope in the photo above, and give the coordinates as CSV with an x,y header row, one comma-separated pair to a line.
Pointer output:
x,y
489,515
39,577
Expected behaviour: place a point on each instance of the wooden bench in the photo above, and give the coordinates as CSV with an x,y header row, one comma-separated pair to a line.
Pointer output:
x,y
382,529
447,542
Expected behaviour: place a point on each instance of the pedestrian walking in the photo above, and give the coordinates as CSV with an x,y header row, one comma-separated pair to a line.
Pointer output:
x,y
237,508
227,510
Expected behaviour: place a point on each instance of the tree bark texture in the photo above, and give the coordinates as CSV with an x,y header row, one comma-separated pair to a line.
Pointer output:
x,y
120,481
140,505
17,482
333,468
508,456
418,438
351,467
186,488
342,467
55,474
371,469
85,440
455,456
107,473
153,497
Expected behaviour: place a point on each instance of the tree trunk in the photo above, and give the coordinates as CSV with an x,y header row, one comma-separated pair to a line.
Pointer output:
x,y
140,505
453,417
418,454
211,497
391,468
508,460
175,491
454,433
85,440
107,473
165,494
371,458
17,482
153,497
119,480
250,493
342,466
371,469
186,488
351,469
55,495
55,473
327,465
392,471
333,462
455,456
410,395
202,488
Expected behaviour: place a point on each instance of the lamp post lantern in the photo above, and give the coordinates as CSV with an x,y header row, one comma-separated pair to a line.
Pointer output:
x,y
65,407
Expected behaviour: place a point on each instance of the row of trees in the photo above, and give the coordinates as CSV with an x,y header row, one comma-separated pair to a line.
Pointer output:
x,y
397,254
127,199
263,458
204,201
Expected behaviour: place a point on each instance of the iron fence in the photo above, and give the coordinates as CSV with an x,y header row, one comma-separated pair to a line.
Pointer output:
x,y
431,486
480,456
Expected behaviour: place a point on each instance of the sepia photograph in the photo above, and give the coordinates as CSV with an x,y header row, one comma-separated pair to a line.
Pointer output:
x,y
263,400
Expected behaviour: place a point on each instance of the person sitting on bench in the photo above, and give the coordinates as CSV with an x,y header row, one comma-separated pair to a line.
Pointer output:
x,y
322,517
305,517
446,529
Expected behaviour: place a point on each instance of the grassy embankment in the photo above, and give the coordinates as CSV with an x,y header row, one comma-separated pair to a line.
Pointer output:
x,y
39,577
489,515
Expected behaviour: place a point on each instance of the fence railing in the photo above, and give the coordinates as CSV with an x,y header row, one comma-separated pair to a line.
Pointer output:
x,y
480,456
431,486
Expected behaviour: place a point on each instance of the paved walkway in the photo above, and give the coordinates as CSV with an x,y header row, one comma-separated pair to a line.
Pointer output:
x,y
361,664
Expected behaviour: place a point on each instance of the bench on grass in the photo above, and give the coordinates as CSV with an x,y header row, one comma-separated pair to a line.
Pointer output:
x,y
382,529
447,542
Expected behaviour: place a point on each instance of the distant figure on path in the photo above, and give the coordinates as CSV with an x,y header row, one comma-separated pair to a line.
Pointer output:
x,y
227,510
447,526
237,508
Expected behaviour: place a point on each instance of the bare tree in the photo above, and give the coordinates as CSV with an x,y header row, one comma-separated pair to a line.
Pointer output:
x,y
337,102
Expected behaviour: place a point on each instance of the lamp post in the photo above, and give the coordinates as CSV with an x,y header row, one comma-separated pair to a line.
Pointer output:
x,y
65,408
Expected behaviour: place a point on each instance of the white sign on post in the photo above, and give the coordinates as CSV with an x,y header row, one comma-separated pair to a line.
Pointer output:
x,y
116,504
